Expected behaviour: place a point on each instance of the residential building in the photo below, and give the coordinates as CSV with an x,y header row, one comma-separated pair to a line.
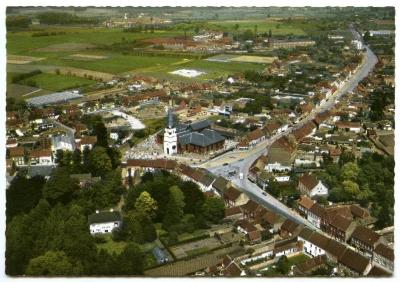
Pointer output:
x,y
341,228
309,185
365,240
384,256
104,222
17,155
41,157
354,264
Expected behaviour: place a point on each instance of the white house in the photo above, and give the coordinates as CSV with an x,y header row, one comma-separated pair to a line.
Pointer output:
x,y
41,157
313,243
309,185
104,222
271,167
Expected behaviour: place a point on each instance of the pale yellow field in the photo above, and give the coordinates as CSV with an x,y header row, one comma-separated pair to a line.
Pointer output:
x,y
254,59
84,56
20,60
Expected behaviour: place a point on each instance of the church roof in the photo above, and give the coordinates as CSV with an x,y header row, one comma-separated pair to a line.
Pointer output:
x,y
204,138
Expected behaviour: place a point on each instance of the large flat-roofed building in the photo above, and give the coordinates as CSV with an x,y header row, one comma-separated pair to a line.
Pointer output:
x,y
289,43
55,98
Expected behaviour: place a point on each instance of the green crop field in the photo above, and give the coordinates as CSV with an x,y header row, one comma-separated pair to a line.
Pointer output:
x,y
22,43
56,82
114,63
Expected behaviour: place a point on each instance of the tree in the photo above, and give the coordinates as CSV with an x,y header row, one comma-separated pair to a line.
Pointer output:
x,y
23,195
351,187
130,261
101,133
86,158
52,263
350,171
177,195
174,210
77,161
194,198
146,204
100,162
283,265
214,209
345,157
60,186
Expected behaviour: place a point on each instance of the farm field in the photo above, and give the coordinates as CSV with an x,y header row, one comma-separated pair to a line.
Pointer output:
x,y
56,82
22,43
24,91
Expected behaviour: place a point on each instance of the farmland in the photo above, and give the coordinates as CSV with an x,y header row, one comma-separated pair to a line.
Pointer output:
x,y
56,82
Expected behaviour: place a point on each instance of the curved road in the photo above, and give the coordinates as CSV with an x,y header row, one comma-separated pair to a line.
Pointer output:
x,y
241,161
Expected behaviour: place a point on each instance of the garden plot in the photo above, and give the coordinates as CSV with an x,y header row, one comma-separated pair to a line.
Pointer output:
x,y
21,60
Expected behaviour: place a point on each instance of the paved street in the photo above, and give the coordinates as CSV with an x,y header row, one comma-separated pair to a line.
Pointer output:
x,y
240,161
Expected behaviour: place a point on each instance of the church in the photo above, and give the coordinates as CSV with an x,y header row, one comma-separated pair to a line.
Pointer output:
x,y
197,137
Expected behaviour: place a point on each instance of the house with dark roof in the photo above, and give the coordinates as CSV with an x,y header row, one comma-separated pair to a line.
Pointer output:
x,y
221,185
234,197
249,209
17,155
87,142
334,250
304,204
281,154
290,229
341,227
102,222
41,157
365,240
309,185
377,271
384,256
354,264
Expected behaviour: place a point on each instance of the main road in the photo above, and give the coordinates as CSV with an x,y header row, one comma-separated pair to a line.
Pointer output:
x,y
241,161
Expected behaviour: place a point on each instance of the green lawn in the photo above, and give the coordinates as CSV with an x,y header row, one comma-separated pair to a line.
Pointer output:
x,y
298,259
110,246
56,82
149,260
187,236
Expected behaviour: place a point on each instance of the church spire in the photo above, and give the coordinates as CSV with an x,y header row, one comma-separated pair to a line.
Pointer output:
x,y
170,119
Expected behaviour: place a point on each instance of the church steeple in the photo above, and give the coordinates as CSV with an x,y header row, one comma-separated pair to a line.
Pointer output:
x,y
170,136
170,123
